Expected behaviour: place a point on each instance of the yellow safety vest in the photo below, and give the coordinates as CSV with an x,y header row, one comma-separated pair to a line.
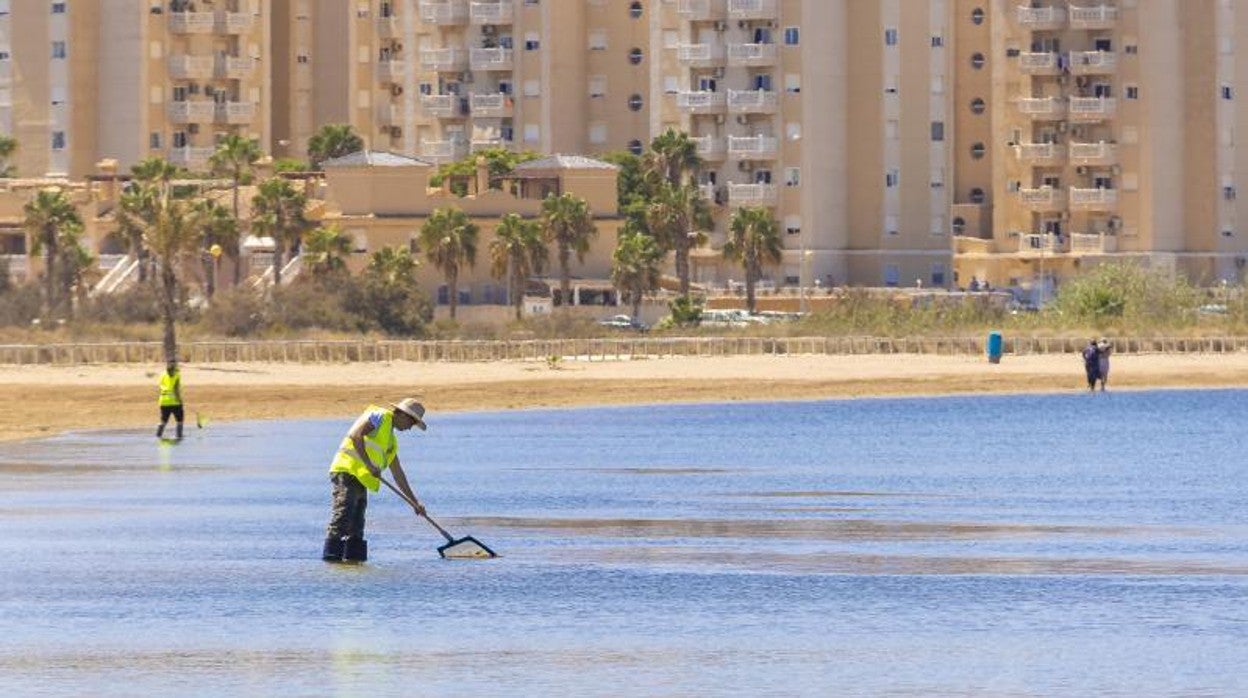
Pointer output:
x,y
169,389
380,445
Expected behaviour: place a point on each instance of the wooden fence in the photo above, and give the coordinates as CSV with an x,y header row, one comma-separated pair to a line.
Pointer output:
x,y
623,348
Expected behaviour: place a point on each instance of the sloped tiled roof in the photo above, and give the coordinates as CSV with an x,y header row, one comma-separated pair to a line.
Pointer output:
x,y
376,158
565,162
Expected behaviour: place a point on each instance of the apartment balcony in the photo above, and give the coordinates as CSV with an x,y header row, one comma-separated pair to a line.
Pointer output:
x,y
192,22
753,147
1043,199
751,9
709,148
486,143
761,55
444,60
440,106
1041,18
233,67
1093,199
700,10
494,105
444,151
235,112
190,158
186,67
234,22
201,112
1090,18
752,101
701,101
444,12
390,71
1039,63
1039,243
1093,62
1041,108
1038,153
752,194
389,115
1087,109
491,12
1093,243
700,55
389,27
1093,154
490,58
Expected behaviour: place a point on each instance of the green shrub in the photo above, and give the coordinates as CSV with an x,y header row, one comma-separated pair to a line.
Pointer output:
x,y
138,304
237,312
1127,295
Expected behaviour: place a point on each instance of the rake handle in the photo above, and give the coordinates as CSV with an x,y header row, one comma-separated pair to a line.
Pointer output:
x,y
449,538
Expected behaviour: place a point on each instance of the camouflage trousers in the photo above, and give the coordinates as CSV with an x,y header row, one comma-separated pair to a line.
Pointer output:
x,y
350,498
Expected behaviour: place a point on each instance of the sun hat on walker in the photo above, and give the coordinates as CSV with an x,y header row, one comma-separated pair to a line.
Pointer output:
x,y
412,408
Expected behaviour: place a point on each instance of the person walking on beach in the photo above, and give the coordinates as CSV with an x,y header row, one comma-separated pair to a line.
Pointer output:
x,y
1092,363
1103,349
368,448
170,399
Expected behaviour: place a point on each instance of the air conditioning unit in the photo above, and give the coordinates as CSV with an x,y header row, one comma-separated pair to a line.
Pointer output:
x,y
745,166
465,78
397,47
721,26
743,119
741,24
1081,170
1115,223
1077,131
489,30
719,118
1061,127
193,89
1115,170
396,90
1082,81
396,131
718,72
192,128
1065,216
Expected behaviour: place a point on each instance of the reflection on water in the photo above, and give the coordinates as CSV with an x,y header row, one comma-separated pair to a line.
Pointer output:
x,y
994,545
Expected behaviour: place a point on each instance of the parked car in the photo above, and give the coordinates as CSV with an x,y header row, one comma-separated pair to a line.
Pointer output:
x,y
624,322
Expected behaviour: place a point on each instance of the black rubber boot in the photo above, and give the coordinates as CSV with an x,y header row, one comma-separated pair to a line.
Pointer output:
x,y
179,431
160,431
333,550
357,550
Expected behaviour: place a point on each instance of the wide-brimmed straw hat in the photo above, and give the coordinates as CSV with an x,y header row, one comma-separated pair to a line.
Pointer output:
x,y
412,408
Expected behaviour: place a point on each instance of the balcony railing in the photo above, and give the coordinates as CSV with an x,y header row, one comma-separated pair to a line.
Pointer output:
x,y
444,59
192,22
444,151
1043,108
482,143
1042,199
1093,153
1099,17
752,147
440,105
233,67
182,67
1038,63
709,147
701,101
491,12
443,12
700,10
1092,108
700,55
235,112
490,58
752,54
389,27
190,157
751,9
201,112
1039,243
751,194
1093,243
1093,62
1046,153
1041,18
234,22
752,101
491,105
390,71
1093,199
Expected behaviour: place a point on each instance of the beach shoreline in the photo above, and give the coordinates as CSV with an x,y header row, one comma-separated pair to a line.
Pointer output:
x,y
45,400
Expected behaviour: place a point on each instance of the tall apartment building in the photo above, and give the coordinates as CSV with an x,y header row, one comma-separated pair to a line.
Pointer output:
x,y
82,81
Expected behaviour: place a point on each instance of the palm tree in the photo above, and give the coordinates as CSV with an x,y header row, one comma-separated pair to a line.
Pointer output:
x,y
8,146
674,157
157,175
325,250
135,208
754,240
635,267
569,224
173,234
393,266
235,157
333,141
75,261
516,253
50,219
677,218
216,227
278,211
449,238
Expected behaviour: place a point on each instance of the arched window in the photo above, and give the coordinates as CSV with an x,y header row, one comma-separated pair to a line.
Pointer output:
x,y
635,102
977,196
978,60
977,16
634,10
959,225
978,106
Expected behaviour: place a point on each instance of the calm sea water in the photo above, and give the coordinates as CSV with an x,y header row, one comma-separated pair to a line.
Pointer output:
x,y
1045,545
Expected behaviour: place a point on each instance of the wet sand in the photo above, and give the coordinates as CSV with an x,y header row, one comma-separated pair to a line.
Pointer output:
x,y
42,400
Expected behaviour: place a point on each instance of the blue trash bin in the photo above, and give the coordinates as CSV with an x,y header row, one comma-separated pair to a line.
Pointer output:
x,y
996,347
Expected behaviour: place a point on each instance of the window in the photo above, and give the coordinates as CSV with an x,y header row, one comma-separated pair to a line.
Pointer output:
x,y
938,130
792,176
793,225
978,60
153,141
1226,92
959,226
978,150
635,102
598,40
977,195
532,41
977,16
890,37
58,140
977,106
1130,49
792,35
179,139
4,55
532,88
671,84
938,41
792,83
892,274
597,133
58,8
597,86
57,94
58,49
891,178
635,147
635,10
1133,92
635,56
532,133
938,274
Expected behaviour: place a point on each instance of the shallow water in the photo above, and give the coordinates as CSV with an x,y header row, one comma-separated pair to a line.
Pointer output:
x,y
1047,545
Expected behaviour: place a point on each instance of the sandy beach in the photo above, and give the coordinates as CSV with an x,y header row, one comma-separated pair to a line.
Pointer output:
x,y
41,400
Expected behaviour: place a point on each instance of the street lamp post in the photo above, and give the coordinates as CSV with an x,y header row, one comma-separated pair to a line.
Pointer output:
x,y
215,251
